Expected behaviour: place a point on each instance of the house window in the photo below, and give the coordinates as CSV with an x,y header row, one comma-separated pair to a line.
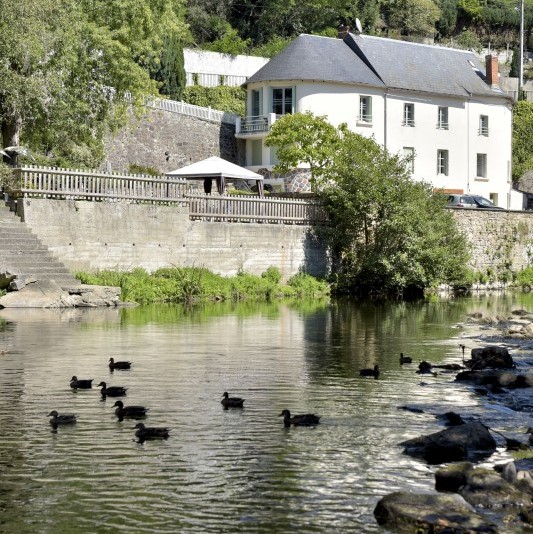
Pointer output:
x,y
409,157
484,125
365,109
442,118
282,100
408,115
257,152
442,162
481,165
256,103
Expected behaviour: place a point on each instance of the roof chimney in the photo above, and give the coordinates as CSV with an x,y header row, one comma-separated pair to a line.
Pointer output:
x,y
343,31
491,69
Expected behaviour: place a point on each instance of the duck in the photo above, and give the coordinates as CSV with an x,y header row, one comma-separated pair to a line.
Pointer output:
x,y
81,384
149,432
306,419
370,372
129,411
112,391
231,402
405,359
65,419
118,365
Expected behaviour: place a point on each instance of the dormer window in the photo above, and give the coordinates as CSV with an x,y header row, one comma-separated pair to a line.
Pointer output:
x,y
282,100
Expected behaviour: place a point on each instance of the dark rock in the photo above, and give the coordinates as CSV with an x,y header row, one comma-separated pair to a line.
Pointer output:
x,y
493,357
430,513
411,409
424,367
449,366
467,441
453,477
451,419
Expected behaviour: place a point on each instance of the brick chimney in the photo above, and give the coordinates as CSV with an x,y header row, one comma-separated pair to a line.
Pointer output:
x,y
491,69
343,31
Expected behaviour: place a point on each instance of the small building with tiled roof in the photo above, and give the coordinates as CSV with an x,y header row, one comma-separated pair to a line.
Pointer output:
x,y
439,106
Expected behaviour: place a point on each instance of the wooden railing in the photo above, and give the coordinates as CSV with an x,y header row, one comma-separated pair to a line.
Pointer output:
x,y
253,210
89,185
54,183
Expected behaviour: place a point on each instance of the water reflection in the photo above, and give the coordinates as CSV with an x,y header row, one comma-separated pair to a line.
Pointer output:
x,y
224,470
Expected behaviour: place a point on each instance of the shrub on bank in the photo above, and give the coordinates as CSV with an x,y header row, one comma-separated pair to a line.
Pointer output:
x,y
193,284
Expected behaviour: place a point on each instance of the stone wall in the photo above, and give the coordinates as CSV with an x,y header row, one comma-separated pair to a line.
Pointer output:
x,y
186,139
116,235
501,240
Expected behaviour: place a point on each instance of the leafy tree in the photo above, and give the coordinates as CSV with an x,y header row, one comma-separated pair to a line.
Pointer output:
x,y
448,17
229,43
170,69
414,17
472,8
468,40
522,135
70,68
389,233
515,63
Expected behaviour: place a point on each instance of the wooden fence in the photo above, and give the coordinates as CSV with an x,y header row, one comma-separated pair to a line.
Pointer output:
x,y
54,183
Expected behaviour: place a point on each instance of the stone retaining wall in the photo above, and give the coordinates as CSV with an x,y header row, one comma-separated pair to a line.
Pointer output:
x,y
87,236
186,139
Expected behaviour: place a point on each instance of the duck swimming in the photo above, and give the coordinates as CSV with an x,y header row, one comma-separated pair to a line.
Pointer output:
x,y
118,365
231,402
112,391
129,411
150,432
65,419
370,372
81,384
405,359
307,419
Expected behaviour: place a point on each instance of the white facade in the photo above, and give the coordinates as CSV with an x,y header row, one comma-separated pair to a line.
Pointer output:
x,y
460,145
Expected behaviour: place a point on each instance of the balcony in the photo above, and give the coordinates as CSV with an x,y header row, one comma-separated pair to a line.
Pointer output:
x,y
254,125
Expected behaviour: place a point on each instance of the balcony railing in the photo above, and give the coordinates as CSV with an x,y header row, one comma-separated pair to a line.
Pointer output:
x,y
365,118
408,122
443,125
253,124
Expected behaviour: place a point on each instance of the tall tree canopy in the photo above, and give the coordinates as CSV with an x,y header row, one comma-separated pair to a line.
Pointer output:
x,y
389,233
522,135
70,67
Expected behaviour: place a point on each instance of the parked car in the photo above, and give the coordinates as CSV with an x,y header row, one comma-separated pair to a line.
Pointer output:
x,y
471,201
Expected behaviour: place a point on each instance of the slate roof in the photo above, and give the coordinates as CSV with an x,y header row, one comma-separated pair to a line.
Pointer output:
x,y
379,62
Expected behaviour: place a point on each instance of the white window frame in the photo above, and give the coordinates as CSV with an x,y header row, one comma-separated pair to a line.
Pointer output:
x,y
408,115
443,162
287,105
365,109
483,125
442,118
481,165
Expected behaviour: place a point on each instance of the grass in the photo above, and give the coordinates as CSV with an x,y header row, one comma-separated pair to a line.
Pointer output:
x,y
190,285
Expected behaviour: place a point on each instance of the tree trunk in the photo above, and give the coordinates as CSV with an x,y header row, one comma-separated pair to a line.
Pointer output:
x,y
11,127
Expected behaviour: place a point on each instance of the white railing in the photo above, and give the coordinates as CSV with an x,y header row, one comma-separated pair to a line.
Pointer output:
x,y
69,184
226,208
208,114
214,80
54,183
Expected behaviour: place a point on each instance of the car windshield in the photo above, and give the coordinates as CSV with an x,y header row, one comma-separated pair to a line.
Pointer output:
x,y
483,202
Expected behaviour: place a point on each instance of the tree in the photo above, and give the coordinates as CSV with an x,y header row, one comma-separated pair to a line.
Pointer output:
x,y
414,17
522,135
388,233
515,63
70,68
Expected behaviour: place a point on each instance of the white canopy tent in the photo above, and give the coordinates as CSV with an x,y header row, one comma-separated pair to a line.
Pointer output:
x,y
221,170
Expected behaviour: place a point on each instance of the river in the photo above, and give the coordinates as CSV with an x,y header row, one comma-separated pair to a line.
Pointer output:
x,y
236,470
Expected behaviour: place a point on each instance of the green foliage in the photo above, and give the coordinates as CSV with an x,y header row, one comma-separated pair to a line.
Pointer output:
x,y
522,135
468,40
272,48
170,69
471,8
190,285
515,63
230,99
389,234
448,17
414,17
134,168
230,43
524,278
7,178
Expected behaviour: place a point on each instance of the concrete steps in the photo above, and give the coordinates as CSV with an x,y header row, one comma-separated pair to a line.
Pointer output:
x,y
23,253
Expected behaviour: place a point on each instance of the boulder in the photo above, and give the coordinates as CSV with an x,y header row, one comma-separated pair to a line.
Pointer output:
x,y
430,513
6,276
493,357
468,441
452,477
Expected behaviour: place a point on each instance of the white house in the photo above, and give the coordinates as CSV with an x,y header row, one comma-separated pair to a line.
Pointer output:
x,y
438,104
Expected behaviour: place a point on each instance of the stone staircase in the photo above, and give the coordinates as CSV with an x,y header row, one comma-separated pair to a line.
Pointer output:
x,y
23,254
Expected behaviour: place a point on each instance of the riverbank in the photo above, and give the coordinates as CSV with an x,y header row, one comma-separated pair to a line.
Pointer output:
x,y
488,493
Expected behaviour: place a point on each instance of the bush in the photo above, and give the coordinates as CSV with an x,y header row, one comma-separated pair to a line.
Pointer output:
x,y
222,98
7,177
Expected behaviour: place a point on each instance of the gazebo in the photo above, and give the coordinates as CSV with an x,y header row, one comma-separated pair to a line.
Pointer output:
x,y
220,169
